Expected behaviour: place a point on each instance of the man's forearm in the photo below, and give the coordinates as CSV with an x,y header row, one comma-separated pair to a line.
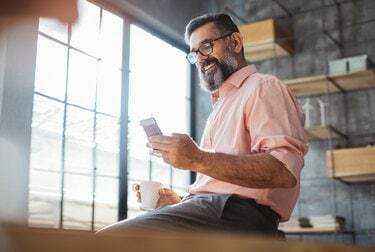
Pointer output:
x,y
260,170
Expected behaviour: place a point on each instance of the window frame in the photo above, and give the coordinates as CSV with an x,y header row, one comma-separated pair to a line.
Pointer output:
x,y
128,20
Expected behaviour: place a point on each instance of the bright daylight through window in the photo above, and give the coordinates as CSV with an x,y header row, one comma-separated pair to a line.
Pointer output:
x,y
75,142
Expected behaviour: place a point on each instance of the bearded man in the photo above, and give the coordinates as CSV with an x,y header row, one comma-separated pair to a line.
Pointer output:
x,y
252,149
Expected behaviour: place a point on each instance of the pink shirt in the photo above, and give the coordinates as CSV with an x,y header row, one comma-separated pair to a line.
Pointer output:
x,y
254,113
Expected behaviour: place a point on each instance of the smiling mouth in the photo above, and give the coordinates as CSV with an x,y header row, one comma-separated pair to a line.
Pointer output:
x,y
208,68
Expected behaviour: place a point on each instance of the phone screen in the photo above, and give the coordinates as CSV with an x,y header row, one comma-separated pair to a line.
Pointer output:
x,y
151,127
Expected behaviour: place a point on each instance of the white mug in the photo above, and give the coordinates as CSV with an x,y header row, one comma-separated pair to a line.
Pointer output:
x,y
149,194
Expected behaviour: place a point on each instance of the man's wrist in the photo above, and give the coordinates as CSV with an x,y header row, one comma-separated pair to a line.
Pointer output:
x,y
200,160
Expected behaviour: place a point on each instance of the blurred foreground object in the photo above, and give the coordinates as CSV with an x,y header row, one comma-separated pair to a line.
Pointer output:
x,y
64,10
40,240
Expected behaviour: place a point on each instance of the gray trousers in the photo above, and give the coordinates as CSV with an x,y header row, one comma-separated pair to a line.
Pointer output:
x,y
205,212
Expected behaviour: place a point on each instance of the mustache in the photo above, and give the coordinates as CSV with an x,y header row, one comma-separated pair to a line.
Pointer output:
x,y
208,62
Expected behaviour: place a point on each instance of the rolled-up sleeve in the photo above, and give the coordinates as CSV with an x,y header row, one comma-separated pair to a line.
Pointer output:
x,y
275,124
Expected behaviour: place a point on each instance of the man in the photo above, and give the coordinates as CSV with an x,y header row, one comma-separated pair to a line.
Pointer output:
x,y
252,149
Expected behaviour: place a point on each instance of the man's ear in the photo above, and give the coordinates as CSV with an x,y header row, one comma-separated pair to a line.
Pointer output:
x,y
237,42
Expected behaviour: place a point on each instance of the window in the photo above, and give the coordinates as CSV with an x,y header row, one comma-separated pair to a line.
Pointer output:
x,y
157,87
75,140
74,167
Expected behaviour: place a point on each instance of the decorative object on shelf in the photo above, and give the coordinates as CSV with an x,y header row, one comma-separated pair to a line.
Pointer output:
x,y
349,64
322,132
306,110
314,224
322,106
359,63
352,165
266,39
338,66
322,84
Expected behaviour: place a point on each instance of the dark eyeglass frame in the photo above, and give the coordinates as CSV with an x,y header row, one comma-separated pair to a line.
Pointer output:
x,y
191,57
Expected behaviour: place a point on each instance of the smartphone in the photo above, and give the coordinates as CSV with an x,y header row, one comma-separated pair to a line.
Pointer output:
x,y
151,127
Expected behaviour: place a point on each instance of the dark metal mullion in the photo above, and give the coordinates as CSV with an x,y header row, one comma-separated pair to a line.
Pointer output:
x,y
63,133
193,113
94,136
67,45
73,172
123,165
75,105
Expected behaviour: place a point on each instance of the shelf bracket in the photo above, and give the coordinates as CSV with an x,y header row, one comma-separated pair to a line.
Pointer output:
x,y
336,131
334,83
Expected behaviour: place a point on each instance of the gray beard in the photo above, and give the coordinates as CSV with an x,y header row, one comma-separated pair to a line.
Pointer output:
x,y
213,82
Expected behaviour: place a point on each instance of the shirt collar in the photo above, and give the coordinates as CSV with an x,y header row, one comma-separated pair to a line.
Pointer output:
x,y
235,80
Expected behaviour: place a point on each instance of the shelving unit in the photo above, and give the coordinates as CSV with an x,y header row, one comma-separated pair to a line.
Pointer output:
x,y
266,39
352,165
344,164
323,133
322,84
317,231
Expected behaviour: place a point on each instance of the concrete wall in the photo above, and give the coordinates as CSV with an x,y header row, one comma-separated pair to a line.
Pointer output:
x,y
18,67
166,17
321,195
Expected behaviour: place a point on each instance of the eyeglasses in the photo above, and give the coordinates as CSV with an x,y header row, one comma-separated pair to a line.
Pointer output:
x,y
205,49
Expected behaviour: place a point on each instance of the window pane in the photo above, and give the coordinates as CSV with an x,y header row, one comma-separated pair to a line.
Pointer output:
x,y
109,90
106,201
50,72
45,181
111,39
161,172
161,93
77,211
138,168
45,150
78,156
79,124
44,199
54,28
48,115
107,140
89,87
82,80
180,178
107,163
46,134
79,144
85,32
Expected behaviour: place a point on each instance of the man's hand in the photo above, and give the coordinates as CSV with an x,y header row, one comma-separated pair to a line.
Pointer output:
x,y
178,150
166,196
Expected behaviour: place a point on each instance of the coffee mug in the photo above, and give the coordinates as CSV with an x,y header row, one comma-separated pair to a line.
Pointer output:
x,y
149,194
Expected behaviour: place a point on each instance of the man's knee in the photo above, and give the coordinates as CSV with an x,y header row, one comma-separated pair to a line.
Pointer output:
x,y
148,221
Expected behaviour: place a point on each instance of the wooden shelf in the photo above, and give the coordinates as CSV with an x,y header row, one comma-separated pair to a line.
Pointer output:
x,y
352,165
322,133
314,85
356,80
321,84
266,39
